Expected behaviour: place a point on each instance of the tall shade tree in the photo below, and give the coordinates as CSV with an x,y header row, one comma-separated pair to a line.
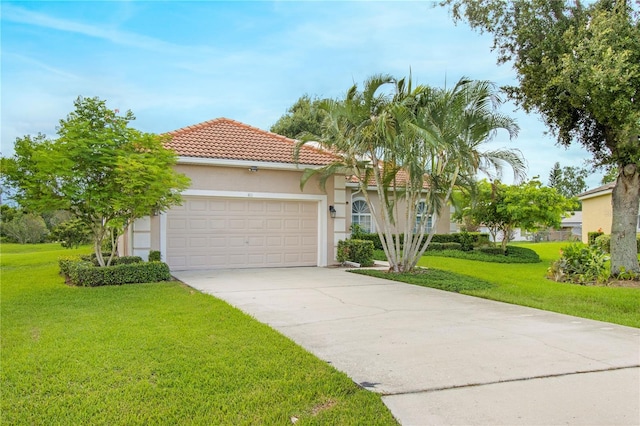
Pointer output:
x,y
414,146
103,171
568,180
303,116
579,66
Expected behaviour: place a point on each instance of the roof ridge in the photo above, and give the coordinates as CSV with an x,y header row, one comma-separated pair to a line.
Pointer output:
x,y
196,126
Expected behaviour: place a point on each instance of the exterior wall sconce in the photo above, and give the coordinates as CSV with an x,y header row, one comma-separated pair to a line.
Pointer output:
x,y
253,169
332,211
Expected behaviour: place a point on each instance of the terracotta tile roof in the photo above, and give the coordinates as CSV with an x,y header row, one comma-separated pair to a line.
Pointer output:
x,y
401,177
227,139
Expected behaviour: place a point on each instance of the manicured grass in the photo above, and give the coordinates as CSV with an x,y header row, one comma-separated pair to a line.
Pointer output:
x,y
525,284
434,278
158,353
514,254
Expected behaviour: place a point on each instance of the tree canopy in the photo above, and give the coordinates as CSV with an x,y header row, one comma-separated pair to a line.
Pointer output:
x,y
568,181
413,145
578,65
504,208
104,172
304,116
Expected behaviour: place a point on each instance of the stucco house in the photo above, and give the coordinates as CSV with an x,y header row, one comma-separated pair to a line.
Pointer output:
x,y
245,208
597,210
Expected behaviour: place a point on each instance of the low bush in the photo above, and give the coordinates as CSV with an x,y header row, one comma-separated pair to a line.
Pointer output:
x,y
580,264
444,246
467,240
591,237
85,274
358,251
155,256
123,260
603,242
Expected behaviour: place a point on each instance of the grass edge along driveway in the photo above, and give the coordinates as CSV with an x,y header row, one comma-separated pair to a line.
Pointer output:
x,y
157,353
526,285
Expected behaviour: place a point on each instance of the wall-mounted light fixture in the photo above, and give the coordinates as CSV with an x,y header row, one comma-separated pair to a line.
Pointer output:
x,y
253,169
332,211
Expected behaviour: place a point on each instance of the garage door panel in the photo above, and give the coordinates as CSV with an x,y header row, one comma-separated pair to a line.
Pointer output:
x,y
241,233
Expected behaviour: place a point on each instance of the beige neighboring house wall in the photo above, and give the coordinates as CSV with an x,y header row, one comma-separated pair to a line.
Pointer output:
x,y
596,210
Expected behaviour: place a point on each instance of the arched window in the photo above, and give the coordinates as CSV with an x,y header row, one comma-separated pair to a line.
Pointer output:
x,y
421,214
361,215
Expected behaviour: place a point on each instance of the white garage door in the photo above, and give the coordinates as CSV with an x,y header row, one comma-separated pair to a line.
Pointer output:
x,y
207,232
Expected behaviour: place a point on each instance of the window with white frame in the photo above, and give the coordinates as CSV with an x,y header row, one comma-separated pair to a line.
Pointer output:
x,y
421,214
361,216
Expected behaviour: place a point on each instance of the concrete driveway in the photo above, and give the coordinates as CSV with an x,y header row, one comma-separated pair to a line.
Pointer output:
x,y
444,358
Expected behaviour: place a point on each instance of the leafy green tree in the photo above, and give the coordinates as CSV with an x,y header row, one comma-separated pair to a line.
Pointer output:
x,y
529,206
26,228
611,175
71,234
579,66
402,140
568,181
104,172
304,116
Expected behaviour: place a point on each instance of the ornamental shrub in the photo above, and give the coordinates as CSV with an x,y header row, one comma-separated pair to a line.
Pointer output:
x,y
155,256
591,237
123,260
603,242
470,239
580,264
83,273
358,251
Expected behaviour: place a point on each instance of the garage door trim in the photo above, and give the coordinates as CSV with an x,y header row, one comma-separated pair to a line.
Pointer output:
x,y
320,199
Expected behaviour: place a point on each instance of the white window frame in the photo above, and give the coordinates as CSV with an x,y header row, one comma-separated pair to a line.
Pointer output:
x,y
364,213
419,212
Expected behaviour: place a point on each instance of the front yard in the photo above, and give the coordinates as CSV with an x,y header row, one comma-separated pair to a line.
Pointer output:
x,y
153,354
525,284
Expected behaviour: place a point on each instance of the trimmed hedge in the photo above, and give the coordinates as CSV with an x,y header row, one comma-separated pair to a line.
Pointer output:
x,y
358,251
603,242
155,256
84,273
467,240
444,246
124,260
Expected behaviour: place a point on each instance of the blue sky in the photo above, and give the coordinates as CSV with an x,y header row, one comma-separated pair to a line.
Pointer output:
x,y
175,64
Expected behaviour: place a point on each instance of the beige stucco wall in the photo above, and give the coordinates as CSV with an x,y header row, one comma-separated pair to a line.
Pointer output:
x,y
264,181
443,224
596,214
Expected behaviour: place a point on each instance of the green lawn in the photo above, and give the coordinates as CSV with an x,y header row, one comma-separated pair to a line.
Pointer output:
x,y
153,354
525,284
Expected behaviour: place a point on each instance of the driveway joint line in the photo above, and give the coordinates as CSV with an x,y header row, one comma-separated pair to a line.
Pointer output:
x,y
521,379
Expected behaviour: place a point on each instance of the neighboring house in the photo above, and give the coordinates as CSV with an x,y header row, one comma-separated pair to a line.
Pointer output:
x,y
570,229
597,210
245,208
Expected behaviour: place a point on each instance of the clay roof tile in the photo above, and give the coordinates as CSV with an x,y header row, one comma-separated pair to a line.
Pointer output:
x,y
223,138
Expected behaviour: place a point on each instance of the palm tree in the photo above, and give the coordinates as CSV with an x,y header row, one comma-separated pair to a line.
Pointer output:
x,y
414,145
